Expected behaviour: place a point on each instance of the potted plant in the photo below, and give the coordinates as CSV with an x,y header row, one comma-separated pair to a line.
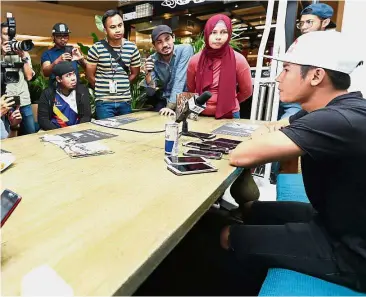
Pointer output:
x,y
38,84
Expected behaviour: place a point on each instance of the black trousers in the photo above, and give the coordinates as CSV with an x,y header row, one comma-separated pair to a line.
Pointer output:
x,y
276,235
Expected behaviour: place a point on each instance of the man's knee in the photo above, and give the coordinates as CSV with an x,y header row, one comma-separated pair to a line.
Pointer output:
x,y
244,188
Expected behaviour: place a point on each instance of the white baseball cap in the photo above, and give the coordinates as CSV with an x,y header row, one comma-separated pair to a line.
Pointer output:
x,y
325,49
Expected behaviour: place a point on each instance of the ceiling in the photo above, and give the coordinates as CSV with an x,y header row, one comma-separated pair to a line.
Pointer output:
x,y
95,5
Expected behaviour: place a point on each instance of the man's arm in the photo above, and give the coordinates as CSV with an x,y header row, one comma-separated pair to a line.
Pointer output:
x,y
180,79
27,68
135,65
85,114
91,69
91,66
270,127
135,71
270,147
47,66
44,113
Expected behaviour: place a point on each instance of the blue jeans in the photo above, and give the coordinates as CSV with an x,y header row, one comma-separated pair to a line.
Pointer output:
x,y
109,109
236,115
27,126
288,109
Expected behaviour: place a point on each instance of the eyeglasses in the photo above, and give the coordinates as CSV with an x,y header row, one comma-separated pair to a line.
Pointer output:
x,y
308,23
64,36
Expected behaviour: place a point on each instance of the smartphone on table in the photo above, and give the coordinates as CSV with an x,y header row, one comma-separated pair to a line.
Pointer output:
x,y
206,147
203,135
192,168
229,146
204,154
9,201
225,140
184,160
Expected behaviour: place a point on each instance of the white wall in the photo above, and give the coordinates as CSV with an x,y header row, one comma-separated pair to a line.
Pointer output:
x,y
354,25
37,18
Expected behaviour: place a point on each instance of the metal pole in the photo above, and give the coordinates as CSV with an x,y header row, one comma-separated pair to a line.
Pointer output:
x,y
271,90
262,97
262,47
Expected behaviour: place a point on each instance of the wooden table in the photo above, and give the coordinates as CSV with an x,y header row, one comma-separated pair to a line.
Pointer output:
x,y
102,223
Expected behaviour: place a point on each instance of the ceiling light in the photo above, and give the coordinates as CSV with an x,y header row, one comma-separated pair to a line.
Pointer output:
x,y
259,35
236,6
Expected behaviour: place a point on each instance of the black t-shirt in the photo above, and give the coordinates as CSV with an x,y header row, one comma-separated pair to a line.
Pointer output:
x,y
334,166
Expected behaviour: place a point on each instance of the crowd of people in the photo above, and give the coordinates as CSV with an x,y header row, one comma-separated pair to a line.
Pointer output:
x,y
320,121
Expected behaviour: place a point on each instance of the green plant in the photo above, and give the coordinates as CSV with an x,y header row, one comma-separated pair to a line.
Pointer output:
x,y
138,92
37,85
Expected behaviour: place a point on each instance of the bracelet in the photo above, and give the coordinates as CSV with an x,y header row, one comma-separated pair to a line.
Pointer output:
x,y
15,128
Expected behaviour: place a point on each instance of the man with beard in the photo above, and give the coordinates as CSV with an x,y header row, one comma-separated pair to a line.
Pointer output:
x,y
112,64
61,52
169,66
66,105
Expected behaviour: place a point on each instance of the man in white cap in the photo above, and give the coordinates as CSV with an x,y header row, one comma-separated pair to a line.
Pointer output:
x,y
325,238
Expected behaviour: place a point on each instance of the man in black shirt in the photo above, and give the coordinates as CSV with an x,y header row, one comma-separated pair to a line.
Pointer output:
x,y
326,238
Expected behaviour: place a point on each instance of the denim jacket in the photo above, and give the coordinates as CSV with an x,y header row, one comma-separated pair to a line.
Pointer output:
x,y
172,75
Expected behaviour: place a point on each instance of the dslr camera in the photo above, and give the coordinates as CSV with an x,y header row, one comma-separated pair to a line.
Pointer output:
x,y
9,70
25,45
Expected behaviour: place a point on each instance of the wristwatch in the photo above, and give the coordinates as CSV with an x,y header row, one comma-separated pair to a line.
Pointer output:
x,y
15,128
25,59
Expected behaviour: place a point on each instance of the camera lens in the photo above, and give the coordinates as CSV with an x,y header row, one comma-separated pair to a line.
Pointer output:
x,y
25,45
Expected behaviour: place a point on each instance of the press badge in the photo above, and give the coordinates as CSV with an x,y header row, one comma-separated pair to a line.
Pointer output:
x,y
112,87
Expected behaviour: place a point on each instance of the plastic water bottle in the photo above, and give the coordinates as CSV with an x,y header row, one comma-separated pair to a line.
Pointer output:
x,y
171,138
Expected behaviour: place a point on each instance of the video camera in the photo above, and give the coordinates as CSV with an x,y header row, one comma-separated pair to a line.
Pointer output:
x,y
10,70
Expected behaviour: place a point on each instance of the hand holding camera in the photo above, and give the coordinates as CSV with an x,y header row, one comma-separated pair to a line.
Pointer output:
x,y
5,47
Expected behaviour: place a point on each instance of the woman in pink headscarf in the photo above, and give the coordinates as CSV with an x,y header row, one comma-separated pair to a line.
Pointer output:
x,y
219,69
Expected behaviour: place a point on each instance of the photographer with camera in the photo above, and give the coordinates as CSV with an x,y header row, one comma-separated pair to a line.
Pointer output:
x,y
14,117
61,52
17,61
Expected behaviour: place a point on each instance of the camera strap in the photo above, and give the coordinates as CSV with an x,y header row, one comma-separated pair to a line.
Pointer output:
x,y
115,56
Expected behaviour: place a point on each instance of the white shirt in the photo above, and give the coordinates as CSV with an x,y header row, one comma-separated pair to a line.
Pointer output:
x,y
70,100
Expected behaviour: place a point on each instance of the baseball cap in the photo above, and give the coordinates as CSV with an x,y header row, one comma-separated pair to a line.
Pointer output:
x,y
325,49
161,29
324,11
62,68
60,28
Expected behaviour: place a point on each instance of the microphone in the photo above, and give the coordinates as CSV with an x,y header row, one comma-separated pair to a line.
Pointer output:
x,y
194,105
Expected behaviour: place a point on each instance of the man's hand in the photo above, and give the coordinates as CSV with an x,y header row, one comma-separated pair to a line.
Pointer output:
x,y
166,112
5,47
149,65
5,104
76,54
20,53
63,57
15,118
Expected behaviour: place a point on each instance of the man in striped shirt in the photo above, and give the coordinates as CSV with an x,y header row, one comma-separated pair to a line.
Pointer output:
x,y
110,80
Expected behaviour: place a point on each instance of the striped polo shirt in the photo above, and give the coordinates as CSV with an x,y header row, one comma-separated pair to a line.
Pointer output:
x,y
108,69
